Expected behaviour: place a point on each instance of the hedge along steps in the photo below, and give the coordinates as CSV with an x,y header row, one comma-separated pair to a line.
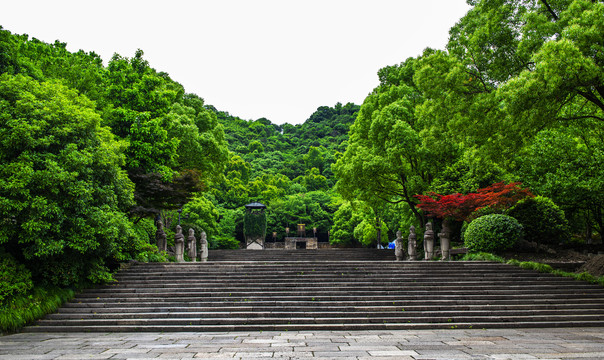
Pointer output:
x,y
371,295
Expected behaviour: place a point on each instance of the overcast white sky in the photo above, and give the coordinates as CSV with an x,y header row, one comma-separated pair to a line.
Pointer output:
x,y
277,59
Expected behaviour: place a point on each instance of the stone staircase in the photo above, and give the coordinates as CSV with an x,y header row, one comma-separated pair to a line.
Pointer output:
x,y
327,290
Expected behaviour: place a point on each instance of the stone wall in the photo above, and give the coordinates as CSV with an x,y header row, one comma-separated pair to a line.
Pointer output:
x,y
280,245
292,243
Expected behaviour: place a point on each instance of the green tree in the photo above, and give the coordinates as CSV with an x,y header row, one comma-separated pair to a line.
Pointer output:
x,y
314,159
345,220
391,154
62,189
139,99
565,165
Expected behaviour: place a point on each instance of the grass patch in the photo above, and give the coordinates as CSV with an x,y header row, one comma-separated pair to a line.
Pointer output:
x,y
25,309
482,256
530,265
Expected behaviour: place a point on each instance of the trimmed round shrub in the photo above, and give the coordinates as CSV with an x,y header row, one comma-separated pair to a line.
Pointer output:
x,y
543,221
492,233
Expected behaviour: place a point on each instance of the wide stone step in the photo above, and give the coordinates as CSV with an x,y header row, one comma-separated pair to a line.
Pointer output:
x,y
329,313
596,303
339,307
349,319
314,327
307,294
330,292
344,286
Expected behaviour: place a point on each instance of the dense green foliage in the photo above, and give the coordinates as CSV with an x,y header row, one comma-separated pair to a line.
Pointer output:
x,y
518,95
286,167
23,309
15,278
63,189
542,220
492,233
89,154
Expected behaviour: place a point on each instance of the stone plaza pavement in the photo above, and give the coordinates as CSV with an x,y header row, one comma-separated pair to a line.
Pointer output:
x,y
560,343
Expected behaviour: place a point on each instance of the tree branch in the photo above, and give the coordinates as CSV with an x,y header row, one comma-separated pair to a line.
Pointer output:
x,y
592,97
549,9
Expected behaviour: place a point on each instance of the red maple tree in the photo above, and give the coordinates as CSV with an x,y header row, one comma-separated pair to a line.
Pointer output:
x,y
460,207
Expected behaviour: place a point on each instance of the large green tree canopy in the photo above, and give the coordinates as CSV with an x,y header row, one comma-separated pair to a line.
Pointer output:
x,y
63,192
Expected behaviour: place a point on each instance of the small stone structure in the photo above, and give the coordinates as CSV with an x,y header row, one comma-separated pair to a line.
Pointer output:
x,y
255,234
179,244
292,243
203,247
428,242
192,246
398,247
160,237
412,244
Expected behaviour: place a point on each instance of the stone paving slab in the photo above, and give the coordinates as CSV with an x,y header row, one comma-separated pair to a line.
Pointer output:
x,y
495,344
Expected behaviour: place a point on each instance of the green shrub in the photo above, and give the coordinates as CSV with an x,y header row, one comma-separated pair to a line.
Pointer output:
x,y
223,242
15,278
26,308
151,256
145,230
543,221
492,233
530,265
487,210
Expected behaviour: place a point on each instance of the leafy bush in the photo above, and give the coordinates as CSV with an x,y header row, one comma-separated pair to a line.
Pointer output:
x,y
543,221
223,242
26,308
15,279
492,233
145,230
366,233
61,184
151,256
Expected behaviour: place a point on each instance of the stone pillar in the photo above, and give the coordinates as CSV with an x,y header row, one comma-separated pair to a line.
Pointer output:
x,y
203,244
179,244
445,244
428,242
398,247
412,244
192,245
160,237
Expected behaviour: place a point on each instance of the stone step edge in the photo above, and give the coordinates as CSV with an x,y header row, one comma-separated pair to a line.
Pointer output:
x,y
315,327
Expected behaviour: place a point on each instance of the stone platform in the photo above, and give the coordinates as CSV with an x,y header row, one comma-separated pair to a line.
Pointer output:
x,y
574,343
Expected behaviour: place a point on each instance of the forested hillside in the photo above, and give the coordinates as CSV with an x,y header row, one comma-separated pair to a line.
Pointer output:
x,y
92,155
286,167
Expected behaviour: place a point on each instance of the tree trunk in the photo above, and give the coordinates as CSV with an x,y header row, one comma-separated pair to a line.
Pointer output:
x,y
378,227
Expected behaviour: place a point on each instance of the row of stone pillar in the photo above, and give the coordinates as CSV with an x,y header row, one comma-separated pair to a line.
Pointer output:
x,y
445,244
179,243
